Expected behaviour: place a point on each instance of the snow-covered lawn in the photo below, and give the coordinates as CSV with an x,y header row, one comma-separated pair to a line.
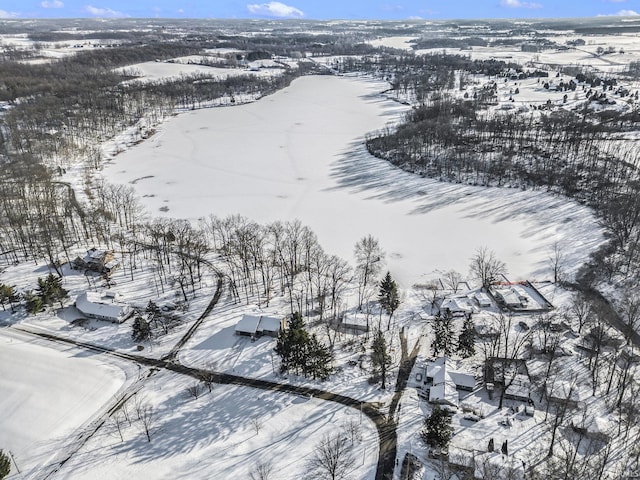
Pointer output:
x,y
215,436
216,346
46,394
298,154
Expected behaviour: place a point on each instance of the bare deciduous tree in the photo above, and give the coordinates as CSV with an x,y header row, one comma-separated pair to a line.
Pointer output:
x,y
145,414
194,390
256,424
369,261
486,268
332,458
452,280
581,310
557,263
353,430
208,376
262,471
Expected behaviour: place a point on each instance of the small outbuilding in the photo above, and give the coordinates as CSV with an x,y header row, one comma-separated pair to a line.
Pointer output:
x,y
248,326
354,323
519,388
257,326
482,299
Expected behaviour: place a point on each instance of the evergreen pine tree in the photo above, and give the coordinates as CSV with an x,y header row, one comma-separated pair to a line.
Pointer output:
x,y
443,331
388,296
467,339
50,290
8,295
5,465
33,303
303,353
320,359
437,430
141,330
380,358
153,312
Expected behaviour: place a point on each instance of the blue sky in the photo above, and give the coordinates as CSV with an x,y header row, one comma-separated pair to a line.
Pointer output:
x,y
316,9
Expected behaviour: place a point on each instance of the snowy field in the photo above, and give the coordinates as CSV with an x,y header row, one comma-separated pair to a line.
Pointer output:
x,y
45,394
298,154
626,46
164,71
215,436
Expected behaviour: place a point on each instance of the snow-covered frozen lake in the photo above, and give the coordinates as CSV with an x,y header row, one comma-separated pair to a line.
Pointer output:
x,y
299,154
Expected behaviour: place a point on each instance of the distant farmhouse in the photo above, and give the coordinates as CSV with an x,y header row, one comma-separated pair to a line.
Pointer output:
x,y
100,261
103,306
257,326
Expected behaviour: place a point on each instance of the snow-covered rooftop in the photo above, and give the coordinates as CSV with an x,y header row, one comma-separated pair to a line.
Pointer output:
x,y
269,324
104,306
248,324
254,324
446,380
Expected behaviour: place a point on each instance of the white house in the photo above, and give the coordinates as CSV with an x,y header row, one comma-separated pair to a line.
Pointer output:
x,y
103,306
445,380
459,305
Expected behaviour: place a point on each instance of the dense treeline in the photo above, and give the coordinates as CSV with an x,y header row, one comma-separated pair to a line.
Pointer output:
x,y
574,153
456,141
419,76
60,112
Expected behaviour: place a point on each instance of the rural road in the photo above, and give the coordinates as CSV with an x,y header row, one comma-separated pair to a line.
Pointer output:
x,y
386,429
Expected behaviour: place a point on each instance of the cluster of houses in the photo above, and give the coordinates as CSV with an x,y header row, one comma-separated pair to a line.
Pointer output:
x,y
509,296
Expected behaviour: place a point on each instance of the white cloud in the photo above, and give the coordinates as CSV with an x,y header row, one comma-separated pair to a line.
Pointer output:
x,y
627,13
104,12
5,14
275,9
617,1
52,4
519,4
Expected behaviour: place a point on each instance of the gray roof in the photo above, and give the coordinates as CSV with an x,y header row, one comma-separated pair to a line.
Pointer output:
x,y
248,324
